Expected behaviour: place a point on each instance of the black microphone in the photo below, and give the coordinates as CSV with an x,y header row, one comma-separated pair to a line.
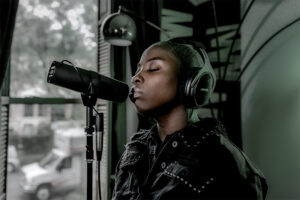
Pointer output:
x,y
80,80
131,93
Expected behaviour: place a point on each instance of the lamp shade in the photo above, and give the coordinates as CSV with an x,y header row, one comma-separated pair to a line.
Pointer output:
x,y
119,29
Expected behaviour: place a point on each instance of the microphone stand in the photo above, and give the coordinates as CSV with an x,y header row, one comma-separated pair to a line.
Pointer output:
x,y
89,100
99,145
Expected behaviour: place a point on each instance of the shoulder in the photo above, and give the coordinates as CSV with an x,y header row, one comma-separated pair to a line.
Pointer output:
x,y
211,124
200,133
141,135
139,139
135,149
208,139
232,163
206,147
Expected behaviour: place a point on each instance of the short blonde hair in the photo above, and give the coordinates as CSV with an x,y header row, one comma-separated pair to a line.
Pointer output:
x,y
185,53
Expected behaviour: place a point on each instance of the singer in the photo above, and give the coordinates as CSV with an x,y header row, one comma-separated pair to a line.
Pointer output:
x,y
177,158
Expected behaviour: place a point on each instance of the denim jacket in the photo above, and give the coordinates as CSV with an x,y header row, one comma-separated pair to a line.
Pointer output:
x,y
196,162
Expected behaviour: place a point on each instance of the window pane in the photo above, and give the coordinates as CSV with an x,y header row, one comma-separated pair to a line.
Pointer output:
x,y
48,30
57,113
49,147
28,110
43,110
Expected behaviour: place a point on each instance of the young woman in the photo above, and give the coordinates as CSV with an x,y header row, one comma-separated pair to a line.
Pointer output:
x,y
177,159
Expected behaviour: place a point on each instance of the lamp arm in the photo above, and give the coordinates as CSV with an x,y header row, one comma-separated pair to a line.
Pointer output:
x,y
157,27
124,10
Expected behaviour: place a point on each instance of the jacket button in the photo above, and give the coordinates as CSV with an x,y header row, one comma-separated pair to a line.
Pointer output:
x,y
174,144
163,165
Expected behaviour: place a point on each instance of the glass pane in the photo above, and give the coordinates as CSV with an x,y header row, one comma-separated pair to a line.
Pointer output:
x,y
43,109
48,30
47,152
28,110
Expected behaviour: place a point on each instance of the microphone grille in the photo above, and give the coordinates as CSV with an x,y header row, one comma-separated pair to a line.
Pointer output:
x,y
51,73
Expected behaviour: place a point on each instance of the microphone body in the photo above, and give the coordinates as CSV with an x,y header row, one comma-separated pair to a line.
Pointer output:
x,y
80,80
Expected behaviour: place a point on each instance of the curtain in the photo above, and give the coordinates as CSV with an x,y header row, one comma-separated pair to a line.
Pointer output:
x,y
8,11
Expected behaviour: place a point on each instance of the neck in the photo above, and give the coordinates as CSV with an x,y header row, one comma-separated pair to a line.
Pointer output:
x,y
172,121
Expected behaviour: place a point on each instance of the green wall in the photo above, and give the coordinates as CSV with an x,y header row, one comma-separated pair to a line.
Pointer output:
x,y
271,96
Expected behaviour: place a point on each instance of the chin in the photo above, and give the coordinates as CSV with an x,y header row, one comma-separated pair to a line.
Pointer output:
x,y
144,110
154,110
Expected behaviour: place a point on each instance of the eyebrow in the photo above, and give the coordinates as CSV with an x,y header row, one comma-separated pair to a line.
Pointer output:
x,y
151,59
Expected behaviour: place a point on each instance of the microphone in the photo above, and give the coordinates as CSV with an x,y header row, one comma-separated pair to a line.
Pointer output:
x,y
81,80
131,93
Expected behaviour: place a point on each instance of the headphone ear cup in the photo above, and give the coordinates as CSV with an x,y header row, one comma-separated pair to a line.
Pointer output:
x,y
202,90
185,92
196,87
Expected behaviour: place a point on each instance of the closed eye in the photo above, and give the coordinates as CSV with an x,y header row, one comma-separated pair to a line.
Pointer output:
x,y
153,69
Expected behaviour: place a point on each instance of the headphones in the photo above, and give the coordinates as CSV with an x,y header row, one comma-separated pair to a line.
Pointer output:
x,y
196,84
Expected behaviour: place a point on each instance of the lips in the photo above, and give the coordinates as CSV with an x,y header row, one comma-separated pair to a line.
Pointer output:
x,y
135,93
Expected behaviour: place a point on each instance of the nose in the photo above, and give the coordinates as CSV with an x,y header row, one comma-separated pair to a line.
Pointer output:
x,y
137,78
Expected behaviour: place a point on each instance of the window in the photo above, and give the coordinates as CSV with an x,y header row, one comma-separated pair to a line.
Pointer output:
x,y
43,110
28,110
57,112
47,31
49,160
67,163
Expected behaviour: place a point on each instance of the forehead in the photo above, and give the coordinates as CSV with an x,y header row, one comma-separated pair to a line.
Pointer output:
x,y
158,51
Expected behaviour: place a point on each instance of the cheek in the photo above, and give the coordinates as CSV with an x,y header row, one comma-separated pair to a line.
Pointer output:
x,y
163,88
157,93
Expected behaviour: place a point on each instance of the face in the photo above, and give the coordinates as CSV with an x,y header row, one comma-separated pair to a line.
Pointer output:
x,y
155,82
